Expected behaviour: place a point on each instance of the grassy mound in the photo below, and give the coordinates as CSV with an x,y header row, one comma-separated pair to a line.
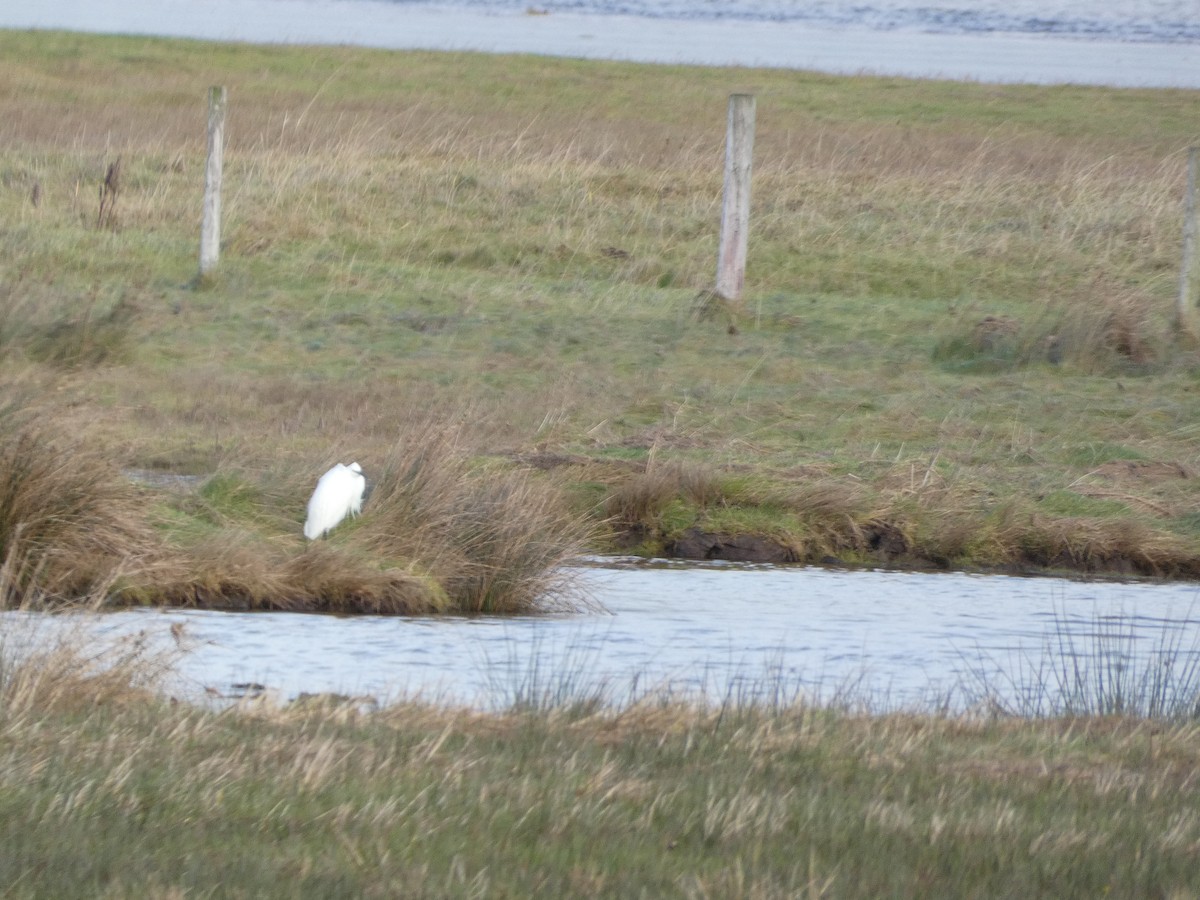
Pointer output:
x,y
437,536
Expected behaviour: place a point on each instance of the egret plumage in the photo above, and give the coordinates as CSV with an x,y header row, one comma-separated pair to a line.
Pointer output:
x,y
339,494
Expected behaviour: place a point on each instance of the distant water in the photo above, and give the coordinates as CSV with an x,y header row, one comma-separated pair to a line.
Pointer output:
x,y
1166,21
1120,43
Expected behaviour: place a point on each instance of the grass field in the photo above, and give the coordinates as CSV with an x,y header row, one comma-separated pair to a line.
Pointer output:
x,y
479,276
955,348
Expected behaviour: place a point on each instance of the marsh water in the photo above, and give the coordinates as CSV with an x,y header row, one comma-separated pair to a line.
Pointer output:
x,y
719,632
1149,43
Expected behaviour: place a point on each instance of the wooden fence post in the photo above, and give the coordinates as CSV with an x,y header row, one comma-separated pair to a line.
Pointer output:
x,y
735,211
1185,310
210,228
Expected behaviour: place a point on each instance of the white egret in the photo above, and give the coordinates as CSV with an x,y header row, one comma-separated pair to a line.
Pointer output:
x,y
339,494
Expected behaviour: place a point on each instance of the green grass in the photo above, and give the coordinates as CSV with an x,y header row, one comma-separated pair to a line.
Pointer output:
x,y
959,296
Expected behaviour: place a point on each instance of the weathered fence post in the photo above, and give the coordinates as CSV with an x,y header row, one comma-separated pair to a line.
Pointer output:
x,y
735,211
210,228
1185,310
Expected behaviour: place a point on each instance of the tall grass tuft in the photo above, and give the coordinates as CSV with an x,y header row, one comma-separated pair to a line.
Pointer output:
x,y
60,671
1098,328
69,522
638,504
495,539
1108,671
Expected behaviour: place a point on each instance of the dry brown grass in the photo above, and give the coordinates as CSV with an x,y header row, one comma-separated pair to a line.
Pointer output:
x,y
638,502
69,521
52,669
342,581
237,568
1107,326
491,536
440,534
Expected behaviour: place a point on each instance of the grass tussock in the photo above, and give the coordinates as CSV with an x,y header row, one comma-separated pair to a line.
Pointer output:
x,y
342,581
437,534
69,521
237,569
440,534
1102,329
61,672
640,503
491,537
232,568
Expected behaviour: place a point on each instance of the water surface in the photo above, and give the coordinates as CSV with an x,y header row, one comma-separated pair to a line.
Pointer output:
x,y
1151,43
1127,20
893,638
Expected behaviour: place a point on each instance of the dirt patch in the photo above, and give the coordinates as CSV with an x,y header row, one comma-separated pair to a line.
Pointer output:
x,y
697,544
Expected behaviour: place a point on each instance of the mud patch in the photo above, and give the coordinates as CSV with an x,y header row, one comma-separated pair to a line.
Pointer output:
x,y
697,544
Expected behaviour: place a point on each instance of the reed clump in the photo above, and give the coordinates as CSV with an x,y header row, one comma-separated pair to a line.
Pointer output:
x,y
69,522
491,537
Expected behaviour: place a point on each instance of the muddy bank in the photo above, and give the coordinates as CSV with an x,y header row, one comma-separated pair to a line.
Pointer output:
x,y
679,510
886,546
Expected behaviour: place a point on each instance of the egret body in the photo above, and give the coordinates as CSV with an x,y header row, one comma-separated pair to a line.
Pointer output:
x,y
339,494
